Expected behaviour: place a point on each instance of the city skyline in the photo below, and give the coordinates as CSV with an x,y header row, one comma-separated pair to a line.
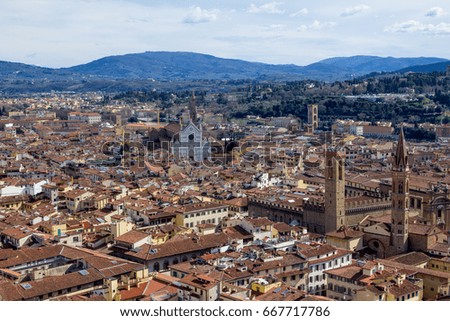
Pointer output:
x,y
46,34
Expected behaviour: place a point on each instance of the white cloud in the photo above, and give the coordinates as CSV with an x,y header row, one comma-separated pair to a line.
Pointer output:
x,y
81,31
317,25
271,7
413,26
351,11
199,15
435,12
302,12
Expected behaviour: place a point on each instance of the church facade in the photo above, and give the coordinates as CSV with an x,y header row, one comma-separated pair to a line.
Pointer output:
x,y
189,144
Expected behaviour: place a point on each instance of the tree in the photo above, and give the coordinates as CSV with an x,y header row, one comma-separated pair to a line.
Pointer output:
x,y
133,119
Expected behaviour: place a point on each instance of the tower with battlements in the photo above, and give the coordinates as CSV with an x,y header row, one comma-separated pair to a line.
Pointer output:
x,y
334,197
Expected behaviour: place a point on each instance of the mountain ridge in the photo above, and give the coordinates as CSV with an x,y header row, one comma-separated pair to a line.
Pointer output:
x,y
435,67
189,66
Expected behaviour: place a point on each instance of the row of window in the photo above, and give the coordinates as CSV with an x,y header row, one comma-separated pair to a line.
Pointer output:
x,y
70,290
206,213
409,296
293,277
317,288
437,266
323,266
340,278
209,221
317,278
339,289
166,263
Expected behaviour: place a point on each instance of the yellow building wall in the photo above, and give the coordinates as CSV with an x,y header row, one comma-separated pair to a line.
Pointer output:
x,y
265,288
160,239
61,227
438,265
434,286
344,244
182,220
101,203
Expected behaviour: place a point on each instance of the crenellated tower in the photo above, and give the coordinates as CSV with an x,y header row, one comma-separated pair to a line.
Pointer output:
x,y
334,197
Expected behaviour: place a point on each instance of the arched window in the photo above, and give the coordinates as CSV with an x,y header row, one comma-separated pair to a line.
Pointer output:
x,y
166,265
156,267
330,169
400,188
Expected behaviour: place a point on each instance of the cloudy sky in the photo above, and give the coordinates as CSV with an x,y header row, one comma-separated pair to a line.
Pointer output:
x,y
61,33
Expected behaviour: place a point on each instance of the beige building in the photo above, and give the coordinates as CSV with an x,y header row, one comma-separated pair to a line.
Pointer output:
x,y
439,264
321,258
199,288
370,281
192,215
435,283
75,200
58,271
90,118
16,236
346,238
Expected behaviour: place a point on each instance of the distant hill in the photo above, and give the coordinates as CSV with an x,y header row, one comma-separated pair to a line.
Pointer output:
x,y
436,67
186,65
15,70
362,65
181,66
138,69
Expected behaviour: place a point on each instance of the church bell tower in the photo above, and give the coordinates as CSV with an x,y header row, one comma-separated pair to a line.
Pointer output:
x,y
400,197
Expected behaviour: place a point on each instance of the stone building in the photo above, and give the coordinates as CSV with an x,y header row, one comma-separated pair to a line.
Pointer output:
x,y
342,203
337,208
396,215
402,231
190,144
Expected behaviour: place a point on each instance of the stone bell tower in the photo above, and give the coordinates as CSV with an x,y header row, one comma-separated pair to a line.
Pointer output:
x,y
400,197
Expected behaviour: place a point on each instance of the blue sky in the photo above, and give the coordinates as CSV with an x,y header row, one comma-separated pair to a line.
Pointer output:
x,y
61,33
